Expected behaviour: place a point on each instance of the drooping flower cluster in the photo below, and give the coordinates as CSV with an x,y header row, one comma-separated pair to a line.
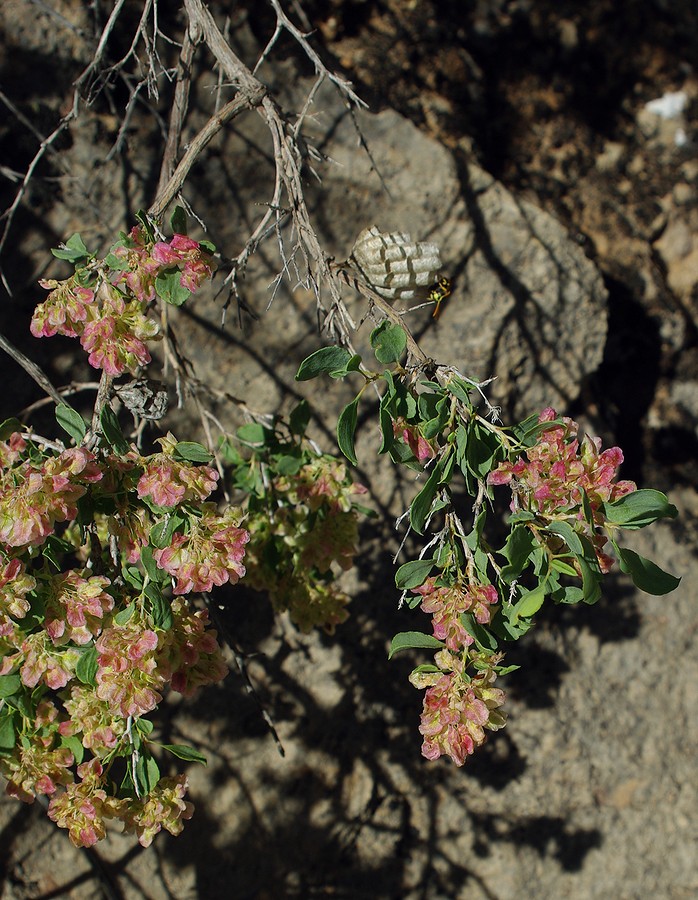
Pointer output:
x,y
110,644
104,303
559,471
304,528
446,603
163,807
35,496
209,554
170,482
459,708
559,468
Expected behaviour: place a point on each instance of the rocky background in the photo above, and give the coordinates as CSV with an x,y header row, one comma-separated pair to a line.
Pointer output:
x,y
552,153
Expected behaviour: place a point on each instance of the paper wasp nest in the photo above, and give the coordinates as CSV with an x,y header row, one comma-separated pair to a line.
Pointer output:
x,y
393,265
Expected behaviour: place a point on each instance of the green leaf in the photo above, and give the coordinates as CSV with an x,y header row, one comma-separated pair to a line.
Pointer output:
x,y
388,342
413,640
326,359
528,431
161,533
132,575
288,465
299,418
73,250
86,668
117,263
111,430
386,425
9,427
154,572
483,636
505,670
7,731
147,773
74,744
645,574
191,451
9,685
145,726
568,594
253,433
346,427
569,535
483,451
460,389
182,751
518,548
638,509
591,578
529,604
160,609
71,422
178,220
422,503
168,287
564,568
413,574
124,615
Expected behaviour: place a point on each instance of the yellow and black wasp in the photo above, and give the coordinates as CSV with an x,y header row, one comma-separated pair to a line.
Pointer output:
x,y
438,294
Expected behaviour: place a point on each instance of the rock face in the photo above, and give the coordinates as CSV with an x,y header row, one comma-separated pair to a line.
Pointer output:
x,y
527,306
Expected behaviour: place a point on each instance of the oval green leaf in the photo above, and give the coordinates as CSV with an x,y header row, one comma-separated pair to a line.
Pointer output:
x,y
182,751
645,574
71,422
413,640
191,451
639,508
346,428
413,574
326,359
388,342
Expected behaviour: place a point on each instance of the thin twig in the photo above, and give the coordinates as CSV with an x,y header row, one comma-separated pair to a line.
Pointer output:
x,y
31,369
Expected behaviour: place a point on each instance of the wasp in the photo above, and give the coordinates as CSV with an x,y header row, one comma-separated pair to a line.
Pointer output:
x,y
438,294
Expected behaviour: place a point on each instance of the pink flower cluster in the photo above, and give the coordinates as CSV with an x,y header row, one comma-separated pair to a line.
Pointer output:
x,y
458,708
75,607
112,326
556,470
209,554
144,260
446,604
76,618
34,497
106,307
39,767
190,650
321,483
169,482
128,677
313,530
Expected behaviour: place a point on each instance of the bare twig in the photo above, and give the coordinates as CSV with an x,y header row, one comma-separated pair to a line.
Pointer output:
x,y
179,108
195,148
31,369
344,86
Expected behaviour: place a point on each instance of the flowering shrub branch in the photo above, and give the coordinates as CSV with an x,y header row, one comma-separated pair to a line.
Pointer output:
x,y
567,509
104,551
101,553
